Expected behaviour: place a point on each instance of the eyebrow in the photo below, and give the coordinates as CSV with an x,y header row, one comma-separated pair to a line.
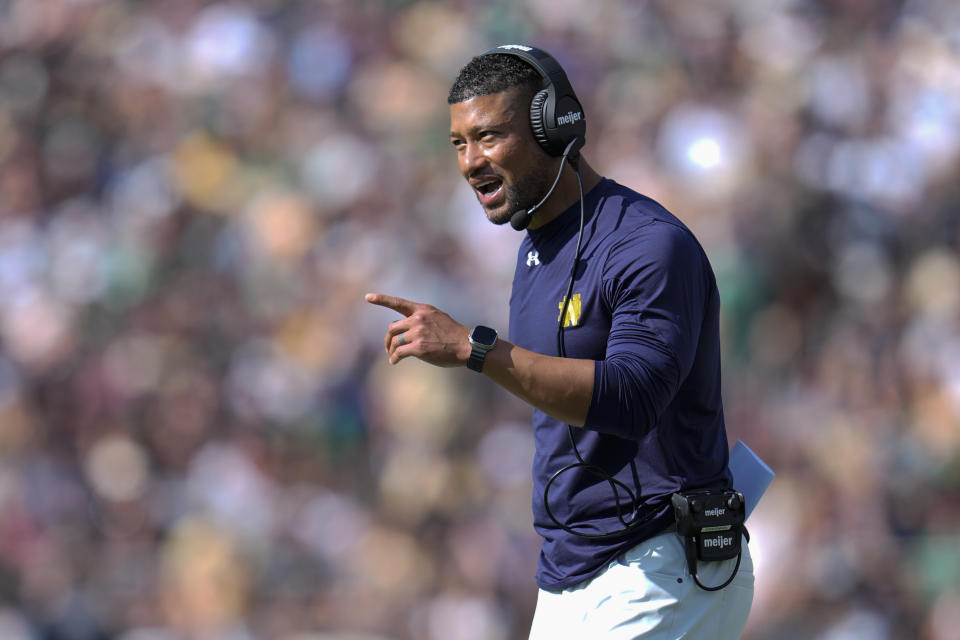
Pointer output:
x,y
499,125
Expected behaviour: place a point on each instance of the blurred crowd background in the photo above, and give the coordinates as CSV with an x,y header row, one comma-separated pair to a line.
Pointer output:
x,y
200,438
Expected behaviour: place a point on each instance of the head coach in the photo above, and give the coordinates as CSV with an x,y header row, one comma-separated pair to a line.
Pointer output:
x,y
614,341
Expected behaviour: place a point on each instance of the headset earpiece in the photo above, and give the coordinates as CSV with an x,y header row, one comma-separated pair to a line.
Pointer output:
x,y
537,116
556,116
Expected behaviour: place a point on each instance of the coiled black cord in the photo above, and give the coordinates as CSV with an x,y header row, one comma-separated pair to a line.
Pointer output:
x,y
581,463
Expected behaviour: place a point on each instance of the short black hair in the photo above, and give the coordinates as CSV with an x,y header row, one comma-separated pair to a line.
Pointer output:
x,y
493,73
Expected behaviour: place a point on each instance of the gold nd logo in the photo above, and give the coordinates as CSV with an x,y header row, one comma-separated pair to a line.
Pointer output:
x,y
573,311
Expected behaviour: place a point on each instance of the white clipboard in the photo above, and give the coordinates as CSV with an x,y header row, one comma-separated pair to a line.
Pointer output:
x,y
751,475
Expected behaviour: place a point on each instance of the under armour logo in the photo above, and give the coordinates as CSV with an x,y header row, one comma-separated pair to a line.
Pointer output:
x,y
533,258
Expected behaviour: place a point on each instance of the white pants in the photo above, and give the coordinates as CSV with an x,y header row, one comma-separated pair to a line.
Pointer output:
x,y
649,593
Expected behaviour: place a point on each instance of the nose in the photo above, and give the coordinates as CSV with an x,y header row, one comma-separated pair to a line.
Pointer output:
x,y
472,159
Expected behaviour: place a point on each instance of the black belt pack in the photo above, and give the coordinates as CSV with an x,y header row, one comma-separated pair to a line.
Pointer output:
x,y
711,523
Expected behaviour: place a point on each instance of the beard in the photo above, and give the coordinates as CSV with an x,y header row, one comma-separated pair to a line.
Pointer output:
x,y
521,196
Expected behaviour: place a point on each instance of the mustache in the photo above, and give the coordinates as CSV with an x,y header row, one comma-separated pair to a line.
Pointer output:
x,y
474,175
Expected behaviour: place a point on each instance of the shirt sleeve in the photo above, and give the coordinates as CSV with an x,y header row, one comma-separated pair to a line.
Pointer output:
x,y
655,286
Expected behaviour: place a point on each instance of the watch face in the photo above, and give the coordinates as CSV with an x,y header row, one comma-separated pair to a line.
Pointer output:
x,y
483,336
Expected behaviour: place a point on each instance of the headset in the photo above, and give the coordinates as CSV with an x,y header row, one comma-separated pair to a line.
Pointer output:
x,y
556,117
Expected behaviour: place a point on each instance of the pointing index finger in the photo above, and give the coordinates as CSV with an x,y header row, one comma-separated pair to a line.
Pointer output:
x,y
400,305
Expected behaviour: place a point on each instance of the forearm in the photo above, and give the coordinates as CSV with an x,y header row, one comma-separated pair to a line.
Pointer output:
x,y
560,387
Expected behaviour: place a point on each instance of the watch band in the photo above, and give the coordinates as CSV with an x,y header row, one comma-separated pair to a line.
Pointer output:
x,y
477,355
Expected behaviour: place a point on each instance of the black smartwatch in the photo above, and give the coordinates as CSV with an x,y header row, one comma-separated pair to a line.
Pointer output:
x,y
482,340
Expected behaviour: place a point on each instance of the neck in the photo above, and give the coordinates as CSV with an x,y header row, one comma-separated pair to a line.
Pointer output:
x,y
566,194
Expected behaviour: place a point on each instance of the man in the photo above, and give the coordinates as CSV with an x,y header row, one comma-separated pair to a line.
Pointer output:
x,y
634,365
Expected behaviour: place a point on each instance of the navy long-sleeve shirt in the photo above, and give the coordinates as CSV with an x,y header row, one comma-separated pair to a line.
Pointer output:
x,y
645,308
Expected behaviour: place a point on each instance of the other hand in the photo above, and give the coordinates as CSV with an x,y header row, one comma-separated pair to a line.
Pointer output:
x,y
424,332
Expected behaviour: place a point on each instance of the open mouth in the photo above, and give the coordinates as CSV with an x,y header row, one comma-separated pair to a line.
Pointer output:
x,y
488,190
